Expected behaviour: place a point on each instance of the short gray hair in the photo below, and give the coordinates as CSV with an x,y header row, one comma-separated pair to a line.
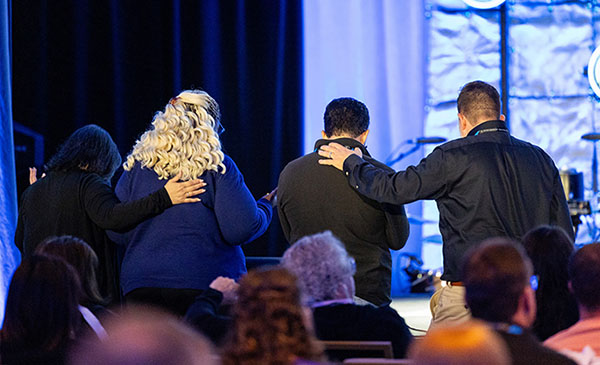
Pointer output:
x,y
320,262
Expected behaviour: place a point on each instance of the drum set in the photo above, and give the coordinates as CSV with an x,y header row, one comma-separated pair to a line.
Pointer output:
x,y
583,209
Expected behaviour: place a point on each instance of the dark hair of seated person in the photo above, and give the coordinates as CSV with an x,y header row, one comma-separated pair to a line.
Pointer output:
x,y
90,149
549,249
42,314
584,272
84,260
495,275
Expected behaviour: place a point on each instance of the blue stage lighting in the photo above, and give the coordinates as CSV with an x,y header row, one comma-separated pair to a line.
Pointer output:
x,y
594,71
483,4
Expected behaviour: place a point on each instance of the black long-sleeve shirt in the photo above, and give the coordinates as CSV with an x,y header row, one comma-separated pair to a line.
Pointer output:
x,y
204,315
485,185
314,198
83,205
351,322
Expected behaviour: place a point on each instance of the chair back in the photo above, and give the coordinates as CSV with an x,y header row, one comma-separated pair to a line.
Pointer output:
x,y
377,361
340,350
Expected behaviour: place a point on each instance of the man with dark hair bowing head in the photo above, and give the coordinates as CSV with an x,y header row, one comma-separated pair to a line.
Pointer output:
x,y
315,198
485,184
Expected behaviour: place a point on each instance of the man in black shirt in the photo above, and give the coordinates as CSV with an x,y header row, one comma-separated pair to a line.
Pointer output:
x,y
485,184
314,198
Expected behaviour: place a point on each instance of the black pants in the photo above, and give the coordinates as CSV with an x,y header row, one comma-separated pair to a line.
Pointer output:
x,y
175,301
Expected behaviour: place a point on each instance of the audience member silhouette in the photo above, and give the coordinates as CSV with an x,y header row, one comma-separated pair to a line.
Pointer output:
x,y
83,259
42,317
584,275
497,277
467,343
270,325
324,270
145,336
549,249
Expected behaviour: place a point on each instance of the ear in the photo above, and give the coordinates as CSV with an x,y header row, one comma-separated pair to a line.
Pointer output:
x,y
344,290
363,137
462,120
462,124
341,291
324,135
502,117
528,305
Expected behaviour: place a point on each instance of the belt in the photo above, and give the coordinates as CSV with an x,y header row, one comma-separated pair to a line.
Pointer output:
x,y
455,283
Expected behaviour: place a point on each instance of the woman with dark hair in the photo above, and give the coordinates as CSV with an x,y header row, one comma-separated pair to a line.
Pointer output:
x,y
75,198
174,256
84,260
269,324
42,315
549,249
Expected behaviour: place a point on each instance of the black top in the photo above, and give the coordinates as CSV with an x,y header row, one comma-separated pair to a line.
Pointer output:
x,y
83,205
557,311
19,354
314,198
204,315
350,322
525,349
485,185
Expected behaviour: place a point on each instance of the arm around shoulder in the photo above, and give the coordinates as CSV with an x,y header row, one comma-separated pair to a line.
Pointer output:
x,y
108,212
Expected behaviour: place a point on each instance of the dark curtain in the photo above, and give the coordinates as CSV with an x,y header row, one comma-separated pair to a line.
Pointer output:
x,y
116,62
9,255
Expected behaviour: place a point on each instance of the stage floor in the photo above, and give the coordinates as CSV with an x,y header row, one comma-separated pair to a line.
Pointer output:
x,y
415,311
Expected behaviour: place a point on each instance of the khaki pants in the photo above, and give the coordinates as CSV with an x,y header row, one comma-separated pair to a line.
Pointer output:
x,y
448,306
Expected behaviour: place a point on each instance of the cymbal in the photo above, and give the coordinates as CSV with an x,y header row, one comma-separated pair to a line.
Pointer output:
x,y
591,136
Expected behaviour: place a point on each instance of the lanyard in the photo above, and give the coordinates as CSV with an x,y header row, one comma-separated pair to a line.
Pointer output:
x,y
511,329
492,130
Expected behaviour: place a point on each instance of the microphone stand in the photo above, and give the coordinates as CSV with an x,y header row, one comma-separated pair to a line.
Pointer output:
x,y
595,170
402,155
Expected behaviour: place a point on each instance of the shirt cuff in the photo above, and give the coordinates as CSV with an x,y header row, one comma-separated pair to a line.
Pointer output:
x,y
161,199
267,206
351,162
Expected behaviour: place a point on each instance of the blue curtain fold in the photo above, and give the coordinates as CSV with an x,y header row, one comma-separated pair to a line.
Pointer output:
x,y
9,255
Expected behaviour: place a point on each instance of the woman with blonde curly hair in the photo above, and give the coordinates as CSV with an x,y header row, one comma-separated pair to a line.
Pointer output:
x,y
172,257
269,324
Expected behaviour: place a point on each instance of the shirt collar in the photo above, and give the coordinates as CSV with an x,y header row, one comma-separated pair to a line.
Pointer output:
x,y
346,142
332,302
492,125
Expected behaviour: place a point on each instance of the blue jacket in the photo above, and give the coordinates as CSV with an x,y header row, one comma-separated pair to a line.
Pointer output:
x,y
189,245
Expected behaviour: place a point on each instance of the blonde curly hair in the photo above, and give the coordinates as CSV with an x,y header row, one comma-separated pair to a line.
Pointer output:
x,y
183,138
